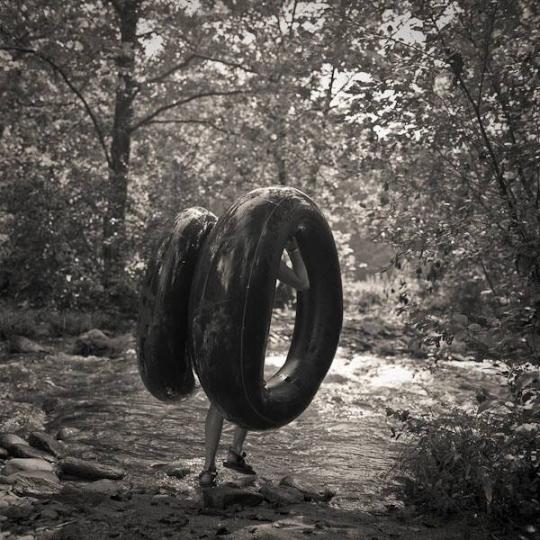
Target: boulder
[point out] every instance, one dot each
(310, 493)
(105, 487)
(89, 470)
(20, 344)
(34, 483)
(8, 440)
(281, 495)
(25, 451)
(27, 464)
(4, 454)
(96, 343)
(46, 442)
(223, 496)
(177, 472)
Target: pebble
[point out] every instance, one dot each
(67, 433)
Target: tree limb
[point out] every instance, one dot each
(178, 103)
(177, 67)
(73, 88)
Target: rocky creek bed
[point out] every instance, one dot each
(99, 457)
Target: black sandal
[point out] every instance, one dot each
(239, 463)
(207, 478)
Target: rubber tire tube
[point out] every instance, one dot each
(231, 308)
(162, 327)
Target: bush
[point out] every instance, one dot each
(44, 322)
(486, 462)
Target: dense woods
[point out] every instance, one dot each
(413, 125)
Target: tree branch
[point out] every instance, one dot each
(195, 121)
(73, 88)
(178, 103)
(229, 63)
(170, 71)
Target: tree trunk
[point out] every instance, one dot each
(114, 227)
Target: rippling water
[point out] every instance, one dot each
(341, 442)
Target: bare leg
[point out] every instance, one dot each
(238, 441)
(212, 432)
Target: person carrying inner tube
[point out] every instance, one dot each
(297, 278)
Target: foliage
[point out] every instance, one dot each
(39, 323)
(454, 107)
(485, 462)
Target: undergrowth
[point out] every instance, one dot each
(43, 322)
(483, 463)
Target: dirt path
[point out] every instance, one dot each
(340, 445)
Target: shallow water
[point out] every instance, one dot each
(341, 442)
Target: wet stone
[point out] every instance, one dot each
(21, 344)
(176, 471)
(310, 493)
(49, 513)
(96, 343)
(27, 464)
(222, 497)
(89, 470)
(25, 451)
(4, 454)
(67, 433)
(281, 495)
(105, 487)
(44, 441)
(8, 440)
(35, 483)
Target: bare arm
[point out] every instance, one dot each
(296, 276)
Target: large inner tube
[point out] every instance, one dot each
(231, 307)
(162, 328)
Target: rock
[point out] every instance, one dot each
(222, 497)
(67, 433)
(283, 531)
(8, 440)
(35, 483)
(281, 495)
(44, 441)
(27, 464)
(49, 513)
(4, 454)
(105, 487)
(170, 469)
(25, 451)
(21, 344)
(49, 405)
(309, 492)
(96, 343)
(89, 470)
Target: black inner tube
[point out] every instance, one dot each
(232, 301)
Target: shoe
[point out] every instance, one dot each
(238, 463)
(207, 478)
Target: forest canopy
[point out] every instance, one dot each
(414, 124)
